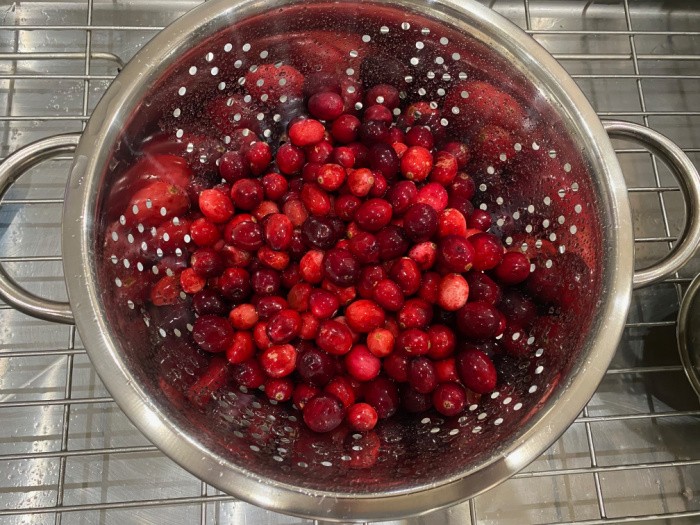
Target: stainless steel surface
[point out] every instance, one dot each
(10, 170)
(688, 332)
(689, 180)
(631, 454)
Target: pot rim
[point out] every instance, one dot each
(535, 437)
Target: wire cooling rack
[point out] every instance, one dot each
(68, 454)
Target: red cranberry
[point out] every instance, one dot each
(392, 243)
(456, 253)
(480, 220)
(280, 389)
(315, 366)
(477, 371)
(413, 342)
(421, 375)
(402, 195)
(258, 156)
(278, 231)
(215, 206)
(323, 413)
(232, 166)
(323, 304)
(318, 232)
(275, 186)
(434, 195)
(406, 274)
(241, 349)
(419, 136)
(513, 269)
(416, 163)
(284, 326)
(461, 204)
(303, 393)
(246, 235)
(364, 247)
(420, 222)
(208, 302)
(449, 399)
(342, 388)
(249, 374)
(488, 251)
(212, 333)
(369, 277)
(346, 129)
(204, 232)
(430, 287)
(316, 200)
(346, 205)
(395, 366)
(388, 295)
(361, 417)
(269, 305)
(247, 194)
(415, 313)
(453, 292)
(309, 326)
(383, 396)
(483, 288)
(373, 215)
(478, 321)
(266, 282)
(460, 151)
(331, 176)
(379, 113)
(234, 284)
(190, 282)
(362, 364)
(380, 342)
(424, 254)
(278, 360)
(305, 132)
(243, 316)
(344, 156)
(341, 267)
(445, 169)
(442, 341)
(364, 315)
(334, 337)
(326, 105)
(290, 159)
(207, 262)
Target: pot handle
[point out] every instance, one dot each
(689, 182)
(10, 169)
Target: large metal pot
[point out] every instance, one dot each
(426, 463)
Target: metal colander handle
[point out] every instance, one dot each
(689, 181)
(10, 169)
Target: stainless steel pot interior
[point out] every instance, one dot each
(568, 194)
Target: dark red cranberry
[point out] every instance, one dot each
(480, 220)
(249, 374)
(369, 277)
(478, 320)
(297, 247)
(319, 232)
(374, 131)
(456, 253)
(266, 282)
(346, 129)
(483, 288)
(379, 113)
(233, 166)
(442, 341)
(326, 105)
(290, 159)
(419, 136)
(323, 413)
(476, 371)
(341, 267)
(518, 308)
(421, 375)
(247, 194)
(461, 204)
(275, 186)
(463, 186)
(234, 284)
(402, 195)
(413, 341)
(460, 151)
(395, 365)
(208, 302)
(392, 243)
(415, 402)
(212, 333)
(449, 399)
(383, 395)
(420, 222)
(269, 305)
(315, 366)
(384, 94)
(382, 158)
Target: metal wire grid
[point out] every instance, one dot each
(593, 429)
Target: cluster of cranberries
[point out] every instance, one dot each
(348, 271)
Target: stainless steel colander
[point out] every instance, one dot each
(557, 191)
